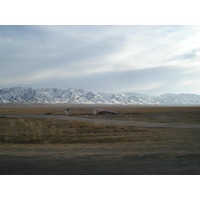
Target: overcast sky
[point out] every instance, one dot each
(145, 59)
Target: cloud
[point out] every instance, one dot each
(150, 59)
(153, 81)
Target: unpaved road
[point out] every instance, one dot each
(110, 121)
(144, 158)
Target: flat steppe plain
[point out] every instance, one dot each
(83, 143)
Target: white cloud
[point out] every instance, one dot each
(190, 83)
(48, 53)
(146, 87)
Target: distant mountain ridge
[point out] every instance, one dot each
(80, 96)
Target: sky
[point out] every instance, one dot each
(146, 59)
(151, 60)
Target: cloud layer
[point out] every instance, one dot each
(144, 59)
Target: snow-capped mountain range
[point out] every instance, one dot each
(80, 96)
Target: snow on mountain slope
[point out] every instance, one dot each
(80, 96)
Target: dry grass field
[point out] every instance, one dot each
(130, 113)
(154, 114)
(49, 146)
(43, 131)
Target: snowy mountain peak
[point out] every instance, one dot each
(80, 96)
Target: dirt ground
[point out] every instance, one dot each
(176, 151)
(144, 158)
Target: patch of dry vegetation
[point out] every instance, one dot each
(130, 113)
(28, 110)
(44, 131)
(155, 114)
(153, 117)
(24, 130)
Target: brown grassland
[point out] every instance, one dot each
(140, 113)
(49, 146)
(154, 114)
(43, 131)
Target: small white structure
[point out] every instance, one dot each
(94, 111)
(66, 112)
